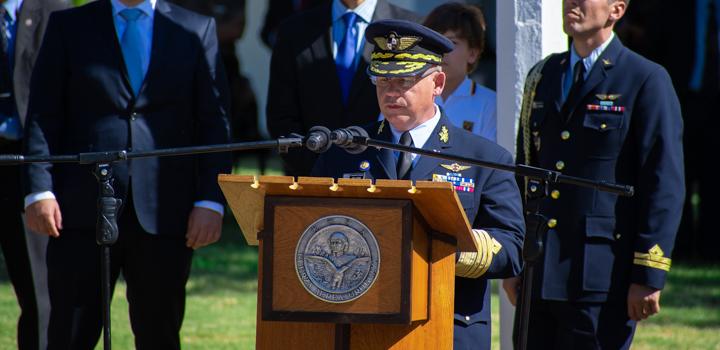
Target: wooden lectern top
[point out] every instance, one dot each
(437, 202)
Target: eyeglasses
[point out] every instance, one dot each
(403, 82)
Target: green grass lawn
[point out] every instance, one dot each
(221, 303)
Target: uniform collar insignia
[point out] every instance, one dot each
(444, 134)
(606, 61)
(381, 127)
(455, 167)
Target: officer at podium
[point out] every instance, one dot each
(405, 68)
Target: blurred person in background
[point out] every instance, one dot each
(22, 26)
(468, 104)
(317, 72)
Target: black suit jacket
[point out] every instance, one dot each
(31, 26)
(304, 88)
(81, 101)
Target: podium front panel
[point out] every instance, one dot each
(311, 265)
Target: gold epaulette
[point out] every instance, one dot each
(475, 264)
(655, 258)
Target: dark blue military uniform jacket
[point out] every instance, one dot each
(624, 127)
(493, 204)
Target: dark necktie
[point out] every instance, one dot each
(5, 69)
(577, 83)
(404, 162)
(345, 58)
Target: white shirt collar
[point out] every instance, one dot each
(147, 7)
(592, 57)
(366, 10)
(421, 133)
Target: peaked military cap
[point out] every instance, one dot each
(404, 48)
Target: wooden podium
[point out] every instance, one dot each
(408, 288)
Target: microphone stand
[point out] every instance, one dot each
(109, 207)
(539, 181)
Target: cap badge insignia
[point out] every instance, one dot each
(394, 42)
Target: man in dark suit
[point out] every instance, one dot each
(126, 75)
(317, 50)
(408, 77)
(22, 25)
(602, 112)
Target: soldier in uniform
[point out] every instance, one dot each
(602, 112)
(408, 77)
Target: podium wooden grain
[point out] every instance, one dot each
(435, 228)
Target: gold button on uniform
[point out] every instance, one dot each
(555, 194)
(560, 165)
(552, 223)
(603, 126)
(565, 135)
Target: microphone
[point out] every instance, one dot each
(320, 139)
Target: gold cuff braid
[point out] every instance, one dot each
(476, 264)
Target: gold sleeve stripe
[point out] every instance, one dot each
(488, 248)
(654, 258)
(653, 264)
(476, 264)
(474, 270)
(468, 260)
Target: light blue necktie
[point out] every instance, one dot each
(345, 58)
(131, 44)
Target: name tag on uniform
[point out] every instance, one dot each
(354, 175)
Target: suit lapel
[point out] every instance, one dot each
(382, 11)
(597, 74)
(27, 23)
(557, 80)
(425, 165)
(106, 31)
(162, 25)
(324, 63)
(384, 156)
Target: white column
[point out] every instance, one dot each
(527, 31)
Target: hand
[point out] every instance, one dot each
(44, 217)
(642, 302)
(512, 288)
(204, 227)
